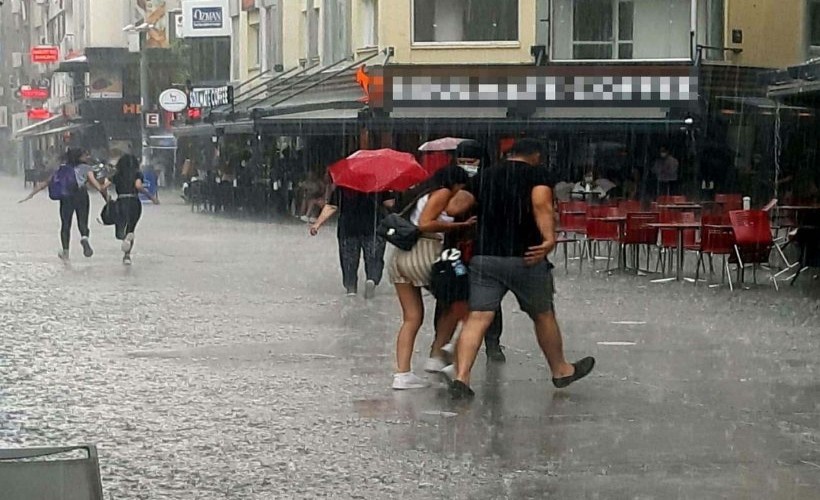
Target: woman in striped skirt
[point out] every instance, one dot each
(411, 270)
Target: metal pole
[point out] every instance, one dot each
(146, 158)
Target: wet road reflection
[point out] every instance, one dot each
(227, 364)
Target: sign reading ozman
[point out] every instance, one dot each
(208, 97)
(205, 18)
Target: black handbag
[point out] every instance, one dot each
(397, 228)
(450, 280)
(108, 216)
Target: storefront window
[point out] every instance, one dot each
(814, 24)
(621, 29)
(447, 21)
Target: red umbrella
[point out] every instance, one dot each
(443, 144)
(378, 170)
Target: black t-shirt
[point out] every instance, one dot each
(506, 222)
(359, 213)
(125, 183)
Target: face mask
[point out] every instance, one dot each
(470, 169)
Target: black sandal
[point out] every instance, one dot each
(582, 368)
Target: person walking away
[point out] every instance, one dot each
(127, 183)
(359, 215)
(666, 171)
(516, 232)
(69, 185)
(410, 271)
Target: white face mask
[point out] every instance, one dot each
(470, 169)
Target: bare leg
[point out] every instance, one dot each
(552, 345)
(472, 336)
(446, 327)
(412, 309)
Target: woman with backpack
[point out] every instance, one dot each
(128, 183)
(410, 271)
(69, 186)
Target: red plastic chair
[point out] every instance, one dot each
(753, 241)
(599, 230)
(636, 233)
(628, 206)
(572, 226)
(716, 240)
(729, 202)
(671, 199)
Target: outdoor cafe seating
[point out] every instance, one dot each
(746, 240)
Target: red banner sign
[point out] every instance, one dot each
(45, 54)
(29, 92)
(38, 114)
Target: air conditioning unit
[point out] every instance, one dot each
(17, 59)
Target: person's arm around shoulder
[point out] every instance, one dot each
(465, 199)
(436, 204)
(544, 213)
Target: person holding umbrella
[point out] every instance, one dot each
(363, 187)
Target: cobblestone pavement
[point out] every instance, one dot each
(225, 363)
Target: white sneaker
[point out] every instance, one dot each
(449, 348)
(408, 380)
(304, 218)
(369, 289)
(449, 371)
(434, 365)
(127, 243)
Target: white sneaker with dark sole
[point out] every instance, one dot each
(127, 243)
(434, 365)
(369, 289)
(409, 380)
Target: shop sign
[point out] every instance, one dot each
(208, 97)
(205, 18)
(152, 120)
(45, 54)
(131, 109)
(173, 100)
(38, 114)
(29, 92)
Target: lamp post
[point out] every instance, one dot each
(140, 30)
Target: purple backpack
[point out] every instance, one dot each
(63, 183)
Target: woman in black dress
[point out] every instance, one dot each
(128, 184)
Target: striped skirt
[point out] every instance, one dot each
(415, 267)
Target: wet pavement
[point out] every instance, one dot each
(225, 363)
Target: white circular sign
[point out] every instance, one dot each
(173, 100)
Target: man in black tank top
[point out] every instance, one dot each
(516, 233)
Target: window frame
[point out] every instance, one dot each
(812, 4)
(463, 44)
(552, 44)
(370, 34)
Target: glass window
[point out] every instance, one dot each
(621, 29)
(814, 23)
(465, 21)
(370, 23)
